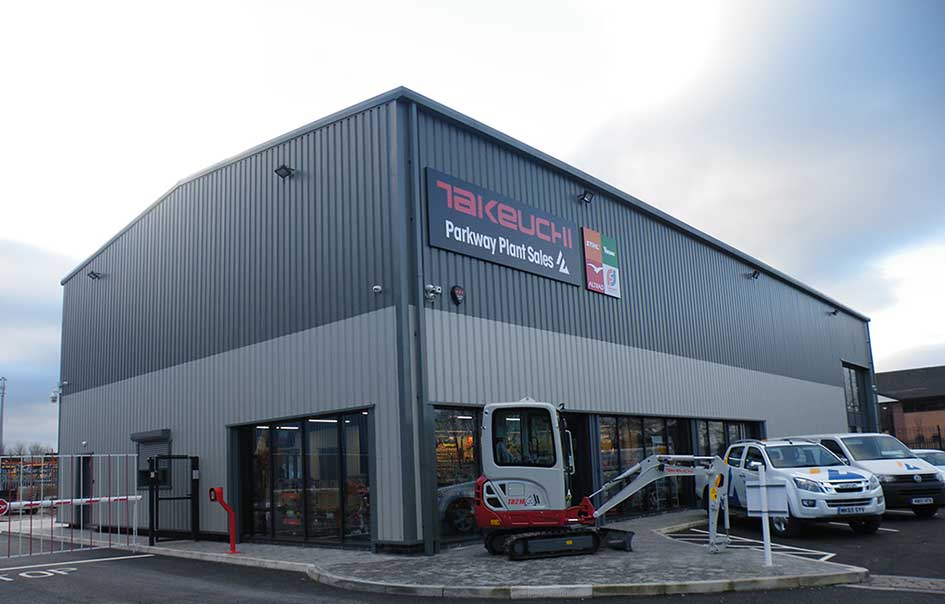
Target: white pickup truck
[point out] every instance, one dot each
(820, 487)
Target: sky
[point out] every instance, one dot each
(807, 134)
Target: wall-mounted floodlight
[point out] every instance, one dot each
(284, 171)
(833, 313)
(93, 275)
(754, 275)
(586, 196)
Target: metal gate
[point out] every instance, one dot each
(173, 480)
(57, 503)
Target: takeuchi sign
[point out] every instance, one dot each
(467, 219)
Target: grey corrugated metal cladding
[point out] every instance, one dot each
(680, 296)
(237, 255)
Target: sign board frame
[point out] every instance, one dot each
(467, 219)
(776, 495)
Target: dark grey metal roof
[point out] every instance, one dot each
(428, 104)
(907, 384)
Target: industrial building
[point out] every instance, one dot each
(321, 318)
(912, 404)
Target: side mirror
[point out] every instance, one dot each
(845, 461)
(754, 465)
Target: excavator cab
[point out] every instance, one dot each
(527, 458)
(524, 493)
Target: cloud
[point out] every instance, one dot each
(932, 355)
(30, 313)
(910, 329)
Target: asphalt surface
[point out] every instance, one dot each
(905, 545)
(111, 576)
(104, 576)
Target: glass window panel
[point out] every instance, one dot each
(716, 438)
(681, 489)
(262, 507)
(457, 468)
(523, 437)
(655, 430)
(324, 486)
(609, 455)
(631, 442)
(357, 493)
(287, 479)
(657, 495)
(677, 431)
(703, 428)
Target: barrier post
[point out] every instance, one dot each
(216, 494)
(194, 499)
(152, 501)
(765, 528)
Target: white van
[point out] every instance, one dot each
(820, 488)
(908, 481)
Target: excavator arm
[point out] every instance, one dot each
(657, 467)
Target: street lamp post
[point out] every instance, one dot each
(3, 396)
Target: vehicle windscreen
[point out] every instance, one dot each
(936, 458)
(801, 456)
(866, 448)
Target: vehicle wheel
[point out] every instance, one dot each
(785, 526)
(866, 526)
(495, 542)
(925, 511)
(460, 516)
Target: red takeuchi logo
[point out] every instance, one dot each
(463, 201)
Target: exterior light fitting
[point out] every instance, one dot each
(93, 275)
(833, 313)
(284, 171)
(754, 275)
(587, 196)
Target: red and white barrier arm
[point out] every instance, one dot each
(53, 503)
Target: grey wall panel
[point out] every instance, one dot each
(342, 365)
(480, 360)
(680, 296)
(237, 256)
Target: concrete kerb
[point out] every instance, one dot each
(844, 574)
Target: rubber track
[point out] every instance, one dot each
(511, 539)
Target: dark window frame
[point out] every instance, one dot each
(526, 413)
(341, 538)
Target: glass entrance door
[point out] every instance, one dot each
(324, 479)
(287, 483)
(357, 495)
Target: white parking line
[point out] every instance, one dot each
(789, 550)
(888, 530)
(74, 562)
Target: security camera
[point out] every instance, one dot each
(53, 397)
(85, 443)
(432, 292)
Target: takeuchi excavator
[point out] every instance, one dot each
(523, 499)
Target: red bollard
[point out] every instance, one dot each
(216, 494)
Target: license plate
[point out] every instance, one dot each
(852, 510)
(922, 500)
